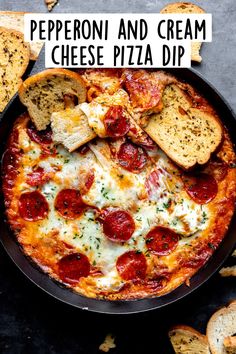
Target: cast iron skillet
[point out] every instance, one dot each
(59, 292)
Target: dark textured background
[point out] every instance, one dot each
(31, 322)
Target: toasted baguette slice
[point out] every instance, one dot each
(15, 21)
(186, 340)
(230, 345)
(70, 128)
(221, 325)
(228, 271)
(14, 59)
(187, 135)
(186, 8)
(44, 93)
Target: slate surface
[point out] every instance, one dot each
(31, 322)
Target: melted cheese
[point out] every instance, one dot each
(95, 113)
(113, 187)
(97, 109)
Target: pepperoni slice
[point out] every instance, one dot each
(116, 123)
(10, 161)
(141, 138)
(89, 181)
(161, 240)
(132, 157)
(197, 260)
(42, 137)
(69, 203)
(132, 265)
(143, 88)
(38, 177)
(152, 182)
(201, 188)
(33, 206)
(85, 182)
(218, 169)
(73, 267)
(118, 225)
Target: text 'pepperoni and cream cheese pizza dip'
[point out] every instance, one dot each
(117, 218)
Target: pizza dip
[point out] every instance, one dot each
(116, 218)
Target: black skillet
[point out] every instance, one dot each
(59, 292)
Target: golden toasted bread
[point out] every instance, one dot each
(186, 8)
(186, 340)
(45, 92)
(186, 134)
(15, 21)
(14, 59)
(70, 128)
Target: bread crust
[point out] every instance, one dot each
(47, 73)
(181, 343)
(191, 330)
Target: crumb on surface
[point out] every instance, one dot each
(108, 343)
(50, 4)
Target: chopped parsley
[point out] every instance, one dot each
(105, 193)
(204, 217)
(175, 222)
(158, 210)
(167, 205)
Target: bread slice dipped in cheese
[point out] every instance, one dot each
(186, 8)
(45, 93)
(70, 128)
(186, 340)
(221, 325)
(14, 59)
(186, 134)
